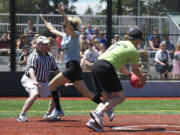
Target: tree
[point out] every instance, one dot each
(88, 11)
(35, 6)
(147, 7)
(4, 6)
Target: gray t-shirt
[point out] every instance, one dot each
(71, 47)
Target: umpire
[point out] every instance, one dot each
(35, 79)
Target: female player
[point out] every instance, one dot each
(71, 48)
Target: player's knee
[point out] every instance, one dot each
(34, 95)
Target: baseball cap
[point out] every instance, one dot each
(42, 39)
(135, 34)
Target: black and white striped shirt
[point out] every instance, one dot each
(42, 65)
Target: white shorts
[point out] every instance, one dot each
(27, 83)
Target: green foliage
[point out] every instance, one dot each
(88, 11)
(4, 6)
(11, 108)
(147, 7)
(35, 6)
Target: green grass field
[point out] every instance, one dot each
(11, 108)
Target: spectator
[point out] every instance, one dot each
(169, 46)
(96, 44)
(30, 30)
(102, 48)
(176, 63)
(23, 59)
(154, 40)
(21, 43)
(89, 29)
(125, 37)
(162, 62)
(52, 47)
(102, 39)
(90, 56)
(96, 32)
(83, 47)
(115, 39)
(33, 43)
(59, 50)
(4, 44)
(84, 35)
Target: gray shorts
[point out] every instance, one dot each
(27, 83)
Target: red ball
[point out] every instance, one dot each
(135, 81)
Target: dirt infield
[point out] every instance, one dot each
(75, 125)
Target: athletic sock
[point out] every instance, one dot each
(55, 96)
(97, 99)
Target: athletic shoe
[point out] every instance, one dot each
(97, 117)
(22, 118)
(47, 114)
(61, 112)
(110, 114)
(55, 114)
(92, 125)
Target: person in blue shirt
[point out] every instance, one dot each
(169, 46)
(71, 48)
(102, 39)
(154, 40)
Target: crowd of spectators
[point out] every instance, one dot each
(93, 43)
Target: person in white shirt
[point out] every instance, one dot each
(162, 60)
(90, 56)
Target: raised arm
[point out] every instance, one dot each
(67, 22)
(50, 27)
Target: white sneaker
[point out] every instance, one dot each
(110, 114)
(22, 118)
(97, 117)
(55, 114)
(46, 115)
(92, 125)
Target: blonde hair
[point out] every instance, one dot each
(178, 47)
(75, 20)
(125, 37)
(163, 43)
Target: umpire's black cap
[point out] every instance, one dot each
(135, 34)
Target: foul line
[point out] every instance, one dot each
(117, 111)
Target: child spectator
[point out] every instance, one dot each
(23, 59)
(176, 63)
(162, 61)
(90, 56)
(102, 48)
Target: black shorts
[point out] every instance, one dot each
(73, 71)
(105, 77)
